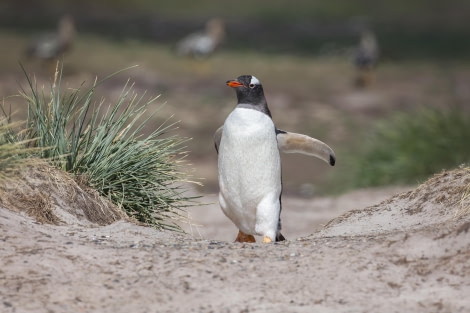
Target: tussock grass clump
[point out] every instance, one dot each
(410, 147)
(13, 154)
(105, 147)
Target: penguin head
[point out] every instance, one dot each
(250, 93)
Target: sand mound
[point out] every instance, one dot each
(442, 199)
(52, 196)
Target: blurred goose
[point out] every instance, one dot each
(53, 45)
(202, 44)
(365, 59)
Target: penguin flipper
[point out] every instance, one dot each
(294, 143)
(299, 143)
(217, 137)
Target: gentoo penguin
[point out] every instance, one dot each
(249, 163)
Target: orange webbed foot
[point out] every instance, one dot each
(266, 239)
(242, 237)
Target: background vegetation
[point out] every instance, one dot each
(409, 147)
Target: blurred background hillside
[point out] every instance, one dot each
(303, 53)
(419, 28)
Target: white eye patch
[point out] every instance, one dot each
(254, 81)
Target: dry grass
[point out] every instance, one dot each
(45, 193)
(38, 206)
(465, 199)
(13, 154)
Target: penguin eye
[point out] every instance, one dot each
(252, 86)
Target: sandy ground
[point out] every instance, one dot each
(407, 253)
(300, 216)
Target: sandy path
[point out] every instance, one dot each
(127, 268)
(300, 217)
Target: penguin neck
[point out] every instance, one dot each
(261, 107)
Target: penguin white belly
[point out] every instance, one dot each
(250, 172)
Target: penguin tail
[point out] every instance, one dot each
(280, 237)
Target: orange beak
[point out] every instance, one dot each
(234, 83)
